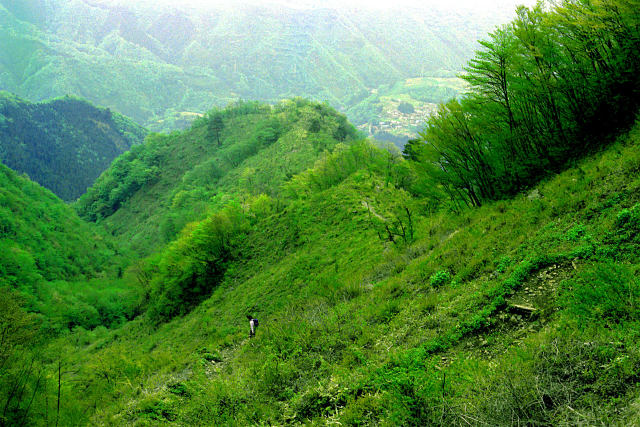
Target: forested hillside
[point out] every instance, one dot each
(57, 274)
(247, 149)
(151, 62)
(45, 246)
(488, 275)
(63, 144)
(550, 87)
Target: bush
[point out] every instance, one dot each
(559, 381)
(503, 264)
(627, 229)
(192, 266)
(156, 410)
(440, 278)
(178, 388)
(212, 357)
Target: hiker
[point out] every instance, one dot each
(253, 324)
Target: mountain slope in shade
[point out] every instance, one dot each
(63, 144)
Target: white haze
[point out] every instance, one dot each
(443, 5)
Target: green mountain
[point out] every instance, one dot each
(45, 248)
(153, 62)
(62, 144)
(485, 315)
(57, 274)
(44, 234)
(489, 275)
(149, 193)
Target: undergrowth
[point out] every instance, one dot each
(361, 330)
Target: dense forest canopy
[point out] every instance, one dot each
(62, 144)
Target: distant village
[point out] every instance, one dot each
(395, 122)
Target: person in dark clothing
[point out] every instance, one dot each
(253, 324)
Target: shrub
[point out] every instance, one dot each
(192, 266)
(503, 264)
(178, 388)
(627, 225)
(576, 233)
(440, 278)
(557, 381)
(212, 357)
(156, 410)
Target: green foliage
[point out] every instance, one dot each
(87, 304)
(628, 224)
(156, 410)
(127, 174)
(151, 192)
(215, 127)
(20, 376)
(158, 65)
(192, 266)
(550, 380)
(43, 238)
(440, 278)
(540, 326)
(178, 388)
(350, 334)
(503, 264)
(576, 233)
(62, 144)
(65, 270)
(537, 87)
(607, 294)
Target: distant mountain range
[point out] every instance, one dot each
(154, 65)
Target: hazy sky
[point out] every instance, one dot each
(377, 4)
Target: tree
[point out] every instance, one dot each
(216, 126)
(406, 108)
(543, 89)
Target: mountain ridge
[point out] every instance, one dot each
(487, 275)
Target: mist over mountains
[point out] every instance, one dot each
(153, 62)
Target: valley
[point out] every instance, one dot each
(122, 55)
(485, 270)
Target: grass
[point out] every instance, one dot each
(358, 330)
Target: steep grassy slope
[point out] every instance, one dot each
(151, 192)
(522, 311)
(152, 61)
(63, 144)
